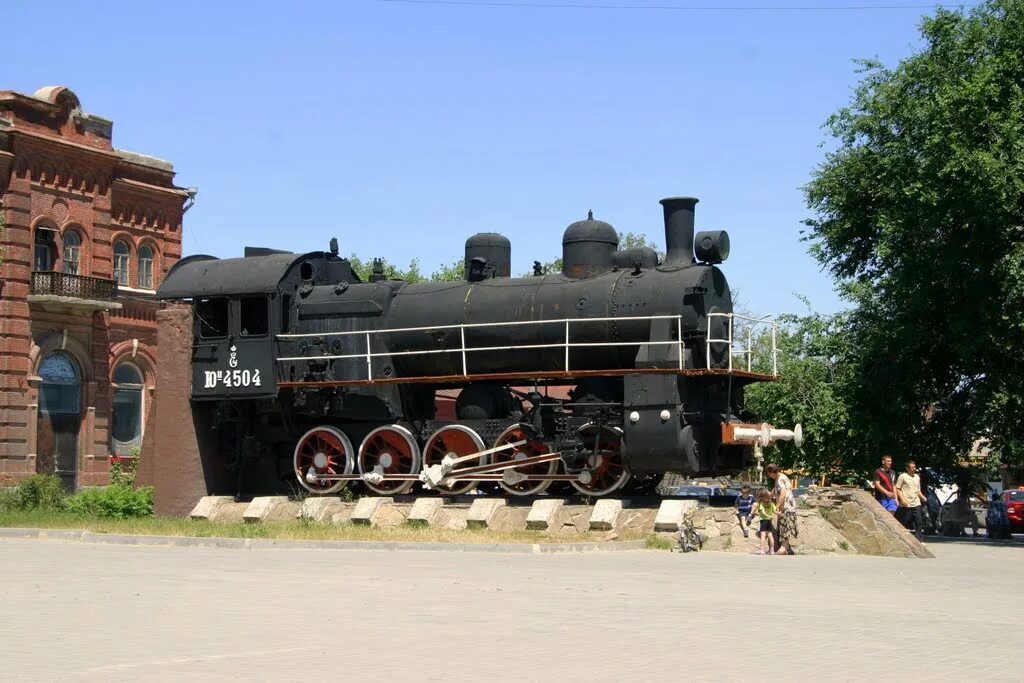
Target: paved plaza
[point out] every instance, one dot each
(81, 611)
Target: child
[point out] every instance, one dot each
(765, 510)
(744, 509)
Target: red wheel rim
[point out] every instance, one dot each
(459, 441)
(323, 450)
(529, 449)
(393, 450)
(607, 470)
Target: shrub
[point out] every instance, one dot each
(38, 492)
(115, 502)
(122, 470)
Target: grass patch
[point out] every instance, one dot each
(658, 542)
(297, 530)
(844, 545)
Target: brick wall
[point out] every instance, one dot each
(60, 171)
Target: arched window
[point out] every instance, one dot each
(59, 392)
(126, 421)
(121, 253)
(43, 254)
(72, 252)
(145, 267)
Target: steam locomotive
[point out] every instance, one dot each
(303, 375)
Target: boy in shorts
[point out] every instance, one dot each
(745, 509)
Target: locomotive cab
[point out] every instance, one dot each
(239, 306)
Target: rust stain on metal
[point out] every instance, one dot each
(529, 377)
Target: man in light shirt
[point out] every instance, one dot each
(911, 499)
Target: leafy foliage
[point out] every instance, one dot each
(919, 215)
(812, 389)
(114, 502)
(38, 492)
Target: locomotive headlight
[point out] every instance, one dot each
(634, 417)
(711, 246)
(665, 415)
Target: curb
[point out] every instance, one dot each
(270, 543)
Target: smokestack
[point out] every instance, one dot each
(678, 230)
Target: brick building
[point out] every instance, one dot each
(89, 232)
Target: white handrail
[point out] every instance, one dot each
(730, 341)
(567, 344)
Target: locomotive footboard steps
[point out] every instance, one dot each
(595, 380)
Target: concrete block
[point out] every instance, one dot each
(605, 514)
(508, 518)
(481, 512)
(544, 514)
(366, 508)
(451, 517)
(670, 514)
(344, 514)
(425, 511)
(390, 515)
(230, 513)
(320, 508)
(269, 509)
(208, 506)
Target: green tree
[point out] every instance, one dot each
(392, 272)
(812, 389)
(919, 211)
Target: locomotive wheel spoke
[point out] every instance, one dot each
(459, 441)
(607, 471)
(323, 450)
(393, 450)
(530, 448)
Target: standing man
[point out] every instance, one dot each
(911, 498)
(786, 505)
(885, 488)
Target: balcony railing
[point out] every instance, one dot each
(75, 286)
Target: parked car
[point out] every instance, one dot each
(1014, 500)
(715, 496)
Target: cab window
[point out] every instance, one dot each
(213, 317)
(254, 318)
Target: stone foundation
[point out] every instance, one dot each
(830, 521)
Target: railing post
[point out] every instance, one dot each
(369, 361)
(567, 345)
(775, 353)
(750, 348)
(462, 335)
(707, 344)
(679, 339)
(729, 345)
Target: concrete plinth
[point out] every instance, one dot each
(481, 512)
(230, 513)
(425, 511)
(320, 508)
(508, 518)
(390, 515)
(451, 517)
(366, 509)
(670, 514)
(605, 514)
(269, 509)
(544, 514)
(208, 506)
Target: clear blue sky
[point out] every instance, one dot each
(403, 128)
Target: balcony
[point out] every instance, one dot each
(76, 291)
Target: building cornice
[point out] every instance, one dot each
(140, 186)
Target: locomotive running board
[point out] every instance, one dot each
(530, 377)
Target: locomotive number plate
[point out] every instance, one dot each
(231, 378)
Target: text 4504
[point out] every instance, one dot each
(232, 378)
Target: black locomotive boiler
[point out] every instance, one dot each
(304, 375)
